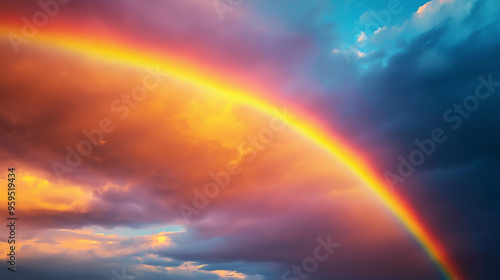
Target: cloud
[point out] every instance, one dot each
(434, 12)
(362, 38)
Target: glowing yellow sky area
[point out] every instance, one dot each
(48, 195)
(220, 93)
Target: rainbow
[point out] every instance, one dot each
(182, 69)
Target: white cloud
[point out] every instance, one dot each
(456, 14)
(434, 12)
(428, 16)
(362, 38)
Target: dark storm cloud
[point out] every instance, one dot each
(456, 188)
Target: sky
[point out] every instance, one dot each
(250, 139)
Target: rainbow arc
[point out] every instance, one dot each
(186, 71)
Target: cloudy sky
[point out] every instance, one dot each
(251, 139)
